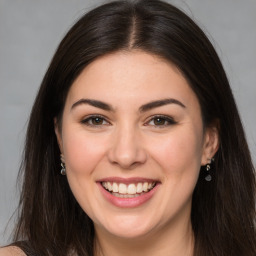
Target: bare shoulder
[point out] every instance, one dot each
(11, 251)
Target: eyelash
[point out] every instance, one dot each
(167, 121)
(89, 119)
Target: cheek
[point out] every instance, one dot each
(180, 153)
(82, 153)
(179, 158)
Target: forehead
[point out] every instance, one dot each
(122, 77)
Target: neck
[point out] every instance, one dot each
(174, 241)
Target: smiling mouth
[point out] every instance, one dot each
(131, 190)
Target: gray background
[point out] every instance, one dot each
(30, 31)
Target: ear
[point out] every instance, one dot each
(211, 142)
(58, 134)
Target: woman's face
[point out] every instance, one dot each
(133, 142)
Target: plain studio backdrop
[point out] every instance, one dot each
(30, 31)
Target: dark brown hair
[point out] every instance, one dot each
(223, 210)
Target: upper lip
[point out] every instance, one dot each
(127, 180)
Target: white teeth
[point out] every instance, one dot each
(139, 188)
(115, 187)
(129, 189)
(104, 184)
(122, 188)
(125, 196)
(150, 185)
(145, 186)
(109, 186)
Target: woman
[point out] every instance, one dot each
(135, 145)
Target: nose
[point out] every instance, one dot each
(127, 149)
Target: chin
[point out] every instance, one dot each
(128, 227)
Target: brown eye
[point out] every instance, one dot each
(95, 121)
(159, 121)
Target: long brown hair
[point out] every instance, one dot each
(223, 210)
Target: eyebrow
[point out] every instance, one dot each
(94, 103)
(143, 108)
(160, 103)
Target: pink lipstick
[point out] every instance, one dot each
(128, 193)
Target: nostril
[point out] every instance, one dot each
(127, 160)
(126, 164)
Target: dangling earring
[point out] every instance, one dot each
(63, 167)
(208, 168)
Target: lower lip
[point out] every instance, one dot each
(128, 202)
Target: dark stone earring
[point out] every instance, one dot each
(63, 167)
(208, 169)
